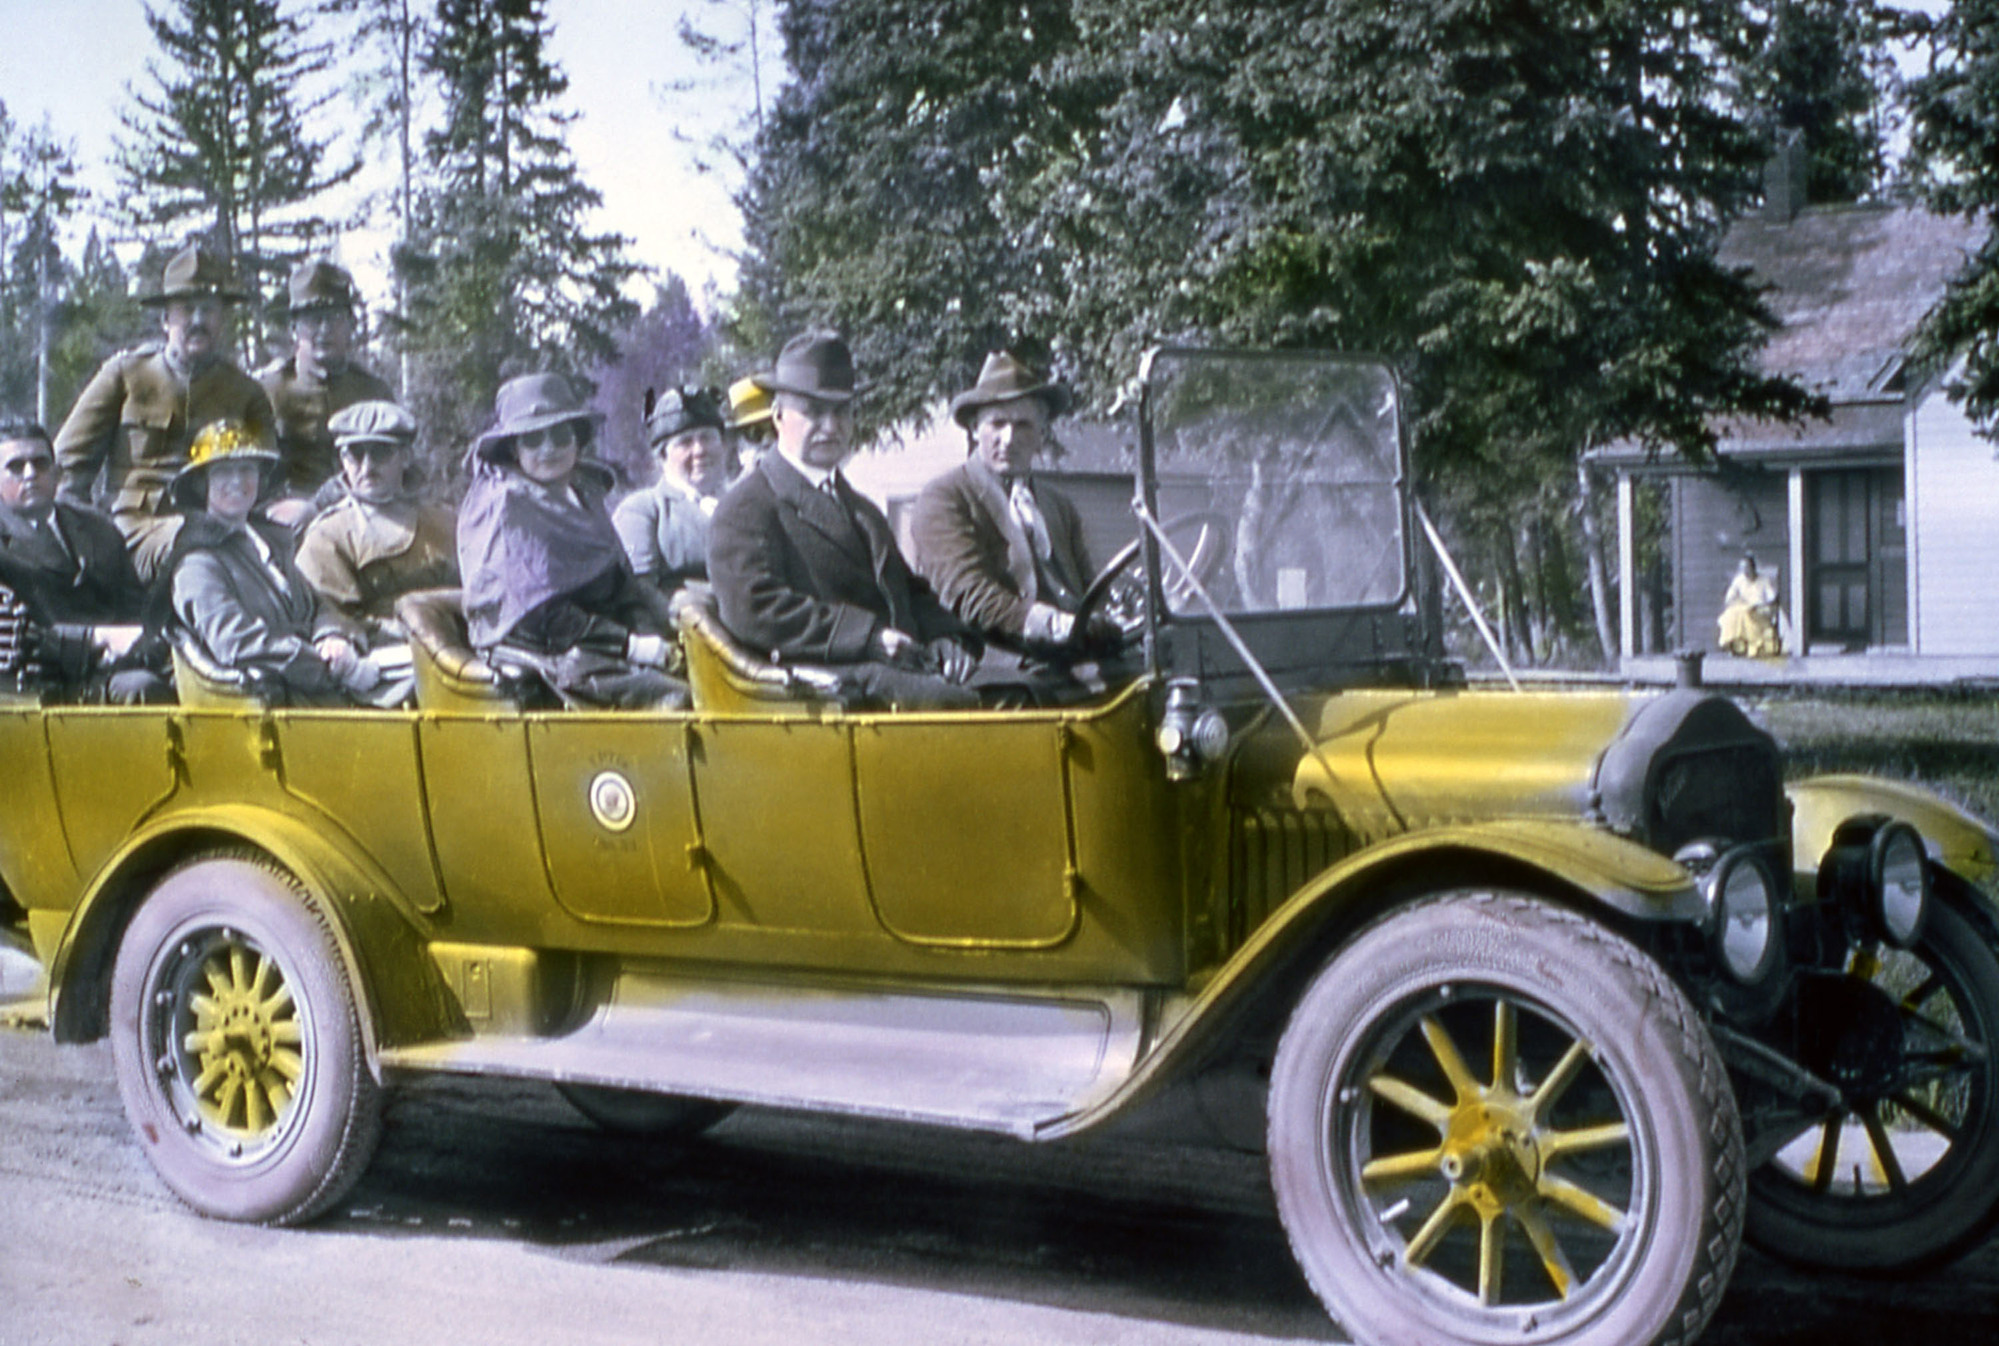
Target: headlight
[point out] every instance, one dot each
(1742, 916)
(1899, 875)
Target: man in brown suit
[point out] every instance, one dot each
(319, 378)
(136, 419)
(1003, 549)
(805, 568)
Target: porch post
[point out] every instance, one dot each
(1797, 531)
(1627, 571)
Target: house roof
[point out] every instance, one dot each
(1850, 284)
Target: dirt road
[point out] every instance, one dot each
(494, 1214)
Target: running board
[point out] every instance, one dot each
(986, 1060)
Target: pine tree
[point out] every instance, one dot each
(221, 144)
(40, 191)
(502, 271)
(1956, 112)
(1825, 72)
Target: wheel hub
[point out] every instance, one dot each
(237, 1045)
(1491, 1155)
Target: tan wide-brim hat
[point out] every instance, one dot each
(1003, 378)
(195, 273)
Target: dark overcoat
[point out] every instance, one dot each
(805, 576)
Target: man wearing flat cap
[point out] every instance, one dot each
(380, 541)
(806, 569)
(319, 378)
(136, 419)
(1003, 549)
(665, 528)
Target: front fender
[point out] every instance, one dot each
(1958, 840)
(381, 941)
(1566, 860)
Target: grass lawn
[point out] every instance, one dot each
(1945, 740)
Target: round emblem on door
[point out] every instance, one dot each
(612, 802)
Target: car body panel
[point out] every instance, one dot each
(1959, 841)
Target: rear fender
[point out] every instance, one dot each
(1248, 998)
(380, 936)
(1959, 841)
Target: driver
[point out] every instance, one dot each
(1002, 548)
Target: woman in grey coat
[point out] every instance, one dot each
(233, 584)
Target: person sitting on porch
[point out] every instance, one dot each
(1749, 614)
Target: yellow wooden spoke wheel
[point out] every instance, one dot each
(1492, 1119)
(237, 1042)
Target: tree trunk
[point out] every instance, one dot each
(1593, 558)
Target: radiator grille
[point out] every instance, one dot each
(1275, 851)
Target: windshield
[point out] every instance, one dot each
(1279, 479)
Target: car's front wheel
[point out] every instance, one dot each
(237, 1042)
(1493, 1120)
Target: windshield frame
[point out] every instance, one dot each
(1279, 629)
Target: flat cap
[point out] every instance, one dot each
(372, 423)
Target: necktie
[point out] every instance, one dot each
(1028, 514)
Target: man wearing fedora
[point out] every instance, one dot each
(135, 420)
(806, 569)
(1002, 548)
(319, 378)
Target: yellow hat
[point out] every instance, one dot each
(219, 441)
(749, 404)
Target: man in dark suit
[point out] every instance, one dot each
(806, 569)
(71, 581)
(1004, 549)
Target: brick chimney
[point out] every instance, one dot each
(1784, 178)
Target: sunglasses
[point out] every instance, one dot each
(377, 449)
(559, 436)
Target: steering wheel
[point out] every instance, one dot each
(1119, 587)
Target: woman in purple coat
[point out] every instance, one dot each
(548, 588)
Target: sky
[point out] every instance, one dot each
(73, 60)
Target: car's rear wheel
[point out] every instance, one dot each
(1905, 1172)
(236, 1038)
(634, 1112)
(1493, 1120)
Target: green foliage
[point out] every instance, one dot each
(1956, 115)
(219, 145)
(501, 272)
(1825, 72)
(1517, 200)
(666, 346)
(886, 191)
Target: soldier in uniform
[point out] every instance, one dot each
(319, 378)
(64, 568)
(381, 541)
(137, 418)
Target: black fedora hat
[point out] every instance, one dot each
(817, 365)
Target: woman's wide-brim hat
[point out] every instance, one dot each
(195, 273)
(534, 402)
(817, 365)
(221, 442)
(1003, 378)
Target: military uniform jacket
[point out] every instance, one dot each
(807, 576)
(83, 578)
(665, 534)
(135, 421)
(303, 406)
(362, 557)
(975, 553)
